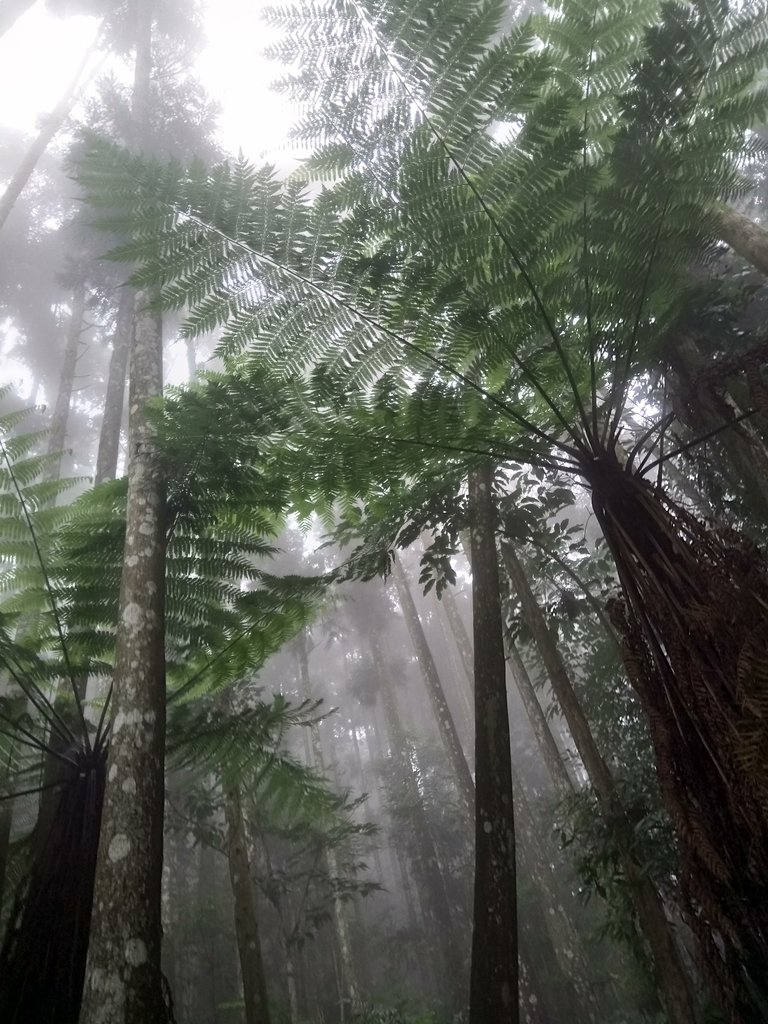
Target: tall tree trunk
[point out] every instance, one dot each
(671, 977)
(425, 864)
(124, 980)
(567, 945)
(122, 341)
(494, 997)
(460, 634)
(748, 239)
(348, 972)
(58, 434)
(246, 920)
(545, 741)
(434, 686)
(50, 128)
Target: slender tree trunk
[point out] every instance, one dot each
(246, 920)
(122, 341)
(425, 864)
(58, 435)
(434, 686)
(671, 977)
(748, 239)
(565, 940)
(124, 979)
(50, 128)
(348, 972)
(494, 997)
(460, 634)
(539, 725)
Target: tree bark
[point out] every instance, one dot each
(746, 238)
(494, 989)
(122, 341)
(434, 687)
(670, 974)
(246, 920)
(124, 978)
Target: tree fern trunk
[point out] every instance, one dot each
(670, 974)
(124, 981)
(494, 995)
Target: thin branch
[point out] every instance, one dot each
(702, 438)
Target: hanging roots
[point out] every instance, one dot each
(694, 628)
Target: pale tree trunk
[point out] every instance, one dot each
(51, 126)
(246, 919)
(348, 972)
(567, 945)
(465, 684)
(124, 983)
(459, 631)
(58, 433)
(122, 341)
(545, 741)
(494, 997)
(426, 863)
(671, 977)
(746, 238)
(434, 687)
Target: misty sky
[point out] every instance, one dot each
(40, 54)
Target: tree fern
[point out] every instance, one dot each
(519, 262)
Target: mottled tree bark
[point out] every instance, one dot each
(671, 977)
(435, 693)
(124, 983)
(494, 995)
(122, 340)
(246, 919)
